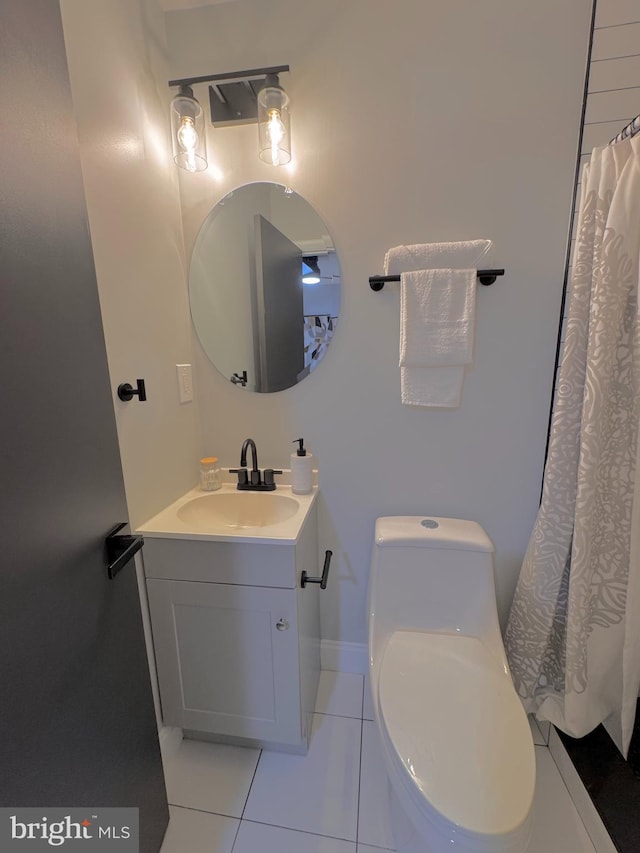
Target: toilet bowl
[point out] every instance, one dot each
(456, 742)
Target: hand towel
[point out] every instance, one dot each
(437, 309)
(436, 387)
(430, 323)
(421, 256)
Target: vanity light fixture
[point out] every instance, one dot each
(310, 270)
(188, 132)
(274, 125)
(238, 97)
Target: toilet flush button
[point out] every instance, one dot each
(430, 523)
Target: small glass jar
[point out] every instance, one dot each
(210, 474)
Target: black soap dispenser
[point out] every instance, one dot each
(301, 470)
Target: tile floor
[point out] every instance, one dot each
(227, 799)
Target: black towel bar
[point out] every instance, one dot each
(487, 277)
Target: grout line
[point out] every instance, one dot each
(204, 811)
(606, 121)
(613, 58)
(341, 716)
(359, 780)
(609, 91)
(251, 785)
(235, 837)
(303, 831)
(612, 26)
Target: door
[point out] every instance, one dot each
(227, 659)
(280, 308)
(77, 724)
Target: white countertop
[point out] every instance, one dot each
(168, 524)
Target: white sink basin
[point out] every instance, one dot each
(237, 510)
(232, 516)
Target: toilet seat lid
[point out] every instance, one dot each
(454, 721)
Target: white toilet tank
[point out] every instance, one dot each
(432, 574)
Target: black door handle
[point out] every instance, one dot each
(120, 549)
(305, 579)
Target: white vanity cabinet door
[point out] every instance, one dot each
(227, 659)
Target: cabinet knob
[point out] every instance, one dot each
(282, 625)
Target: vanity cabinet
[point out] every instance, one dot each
(236, 638)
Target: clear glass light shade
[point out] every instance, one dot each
(274, 126)
(188, 133)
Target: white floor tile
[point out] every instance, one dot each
(317, 792)
(556, 823)
(364, 848)
(374, 820)
(261, 838)
(367, 707)
(211, 777)
(340, 693)
(198, 832)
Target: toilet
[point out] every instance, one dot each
(456, 742)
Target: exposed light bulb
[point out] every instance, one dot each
(188, 140)
(276, 131)
(188, 133)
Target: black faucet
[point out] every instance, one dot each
(255, 471)
(253, 480)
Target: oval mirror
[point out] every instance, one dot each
(264, 287)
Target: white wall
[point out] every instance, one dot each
(411, 122)
(117, 61)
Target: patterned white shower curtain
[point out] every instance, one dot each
(573, 638)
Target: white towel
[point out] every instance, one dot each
(422, 256)
(437, 318)
(437, 308)
(437, 387)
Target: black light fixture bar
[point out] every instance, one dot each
(251, 74)
(487, 277)
(233, 94)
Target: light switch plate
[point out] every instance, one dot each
(185, 383)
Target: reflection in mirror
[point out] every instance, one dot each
(264, 287)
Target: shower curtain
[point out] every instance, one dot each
(573, 637)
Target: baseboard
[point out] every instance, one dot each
(592, 821)
(344, 657)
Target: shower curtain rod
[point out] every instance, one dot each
(627, 132)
